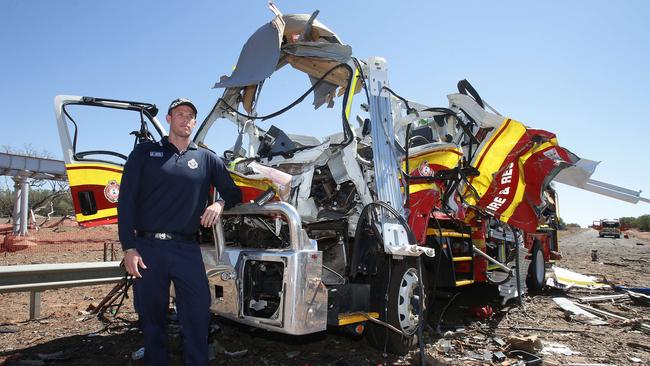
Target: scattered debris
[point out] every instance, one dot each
(481, 312)
(529, 343)
(56, 356)
(603, 298)
(611, 315)
(499, 341)
(292, 354)
(641, 290)
(570, 306)
(499, 356)
(563, 279)
(444, 346)
(539, 329)
(8, 329)
(634, 359)
(236, 353)
(639, 298)
(616, 264)
(139, 354)
(34, 340)
(636, 345)
(214, 328)
(558, 349)
(530, 358)
(634, 260)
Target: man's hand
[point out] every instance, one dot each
(133, 261)
(212, 213)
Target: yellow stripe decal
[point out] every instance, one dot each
(464, 282)
(521, 186)
(348, 105)
(507, 135)
(92, 174)
(462, 259)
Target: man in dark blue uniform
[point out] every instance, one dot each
(163, 198)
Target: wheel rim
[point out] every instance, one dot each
(539, 267)
(408, 302)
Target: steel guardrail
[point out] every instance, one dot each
(39, 277)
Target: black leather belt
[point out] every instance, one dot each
(166, 236)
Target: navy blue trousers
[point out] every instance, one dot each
(181, 263)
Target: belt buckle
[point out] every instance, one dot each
(162, 236)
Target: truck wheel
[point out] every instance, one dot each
(403, 306)
(537, 269)
(618, 236)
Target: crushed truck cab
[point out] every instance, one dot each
(357, 229)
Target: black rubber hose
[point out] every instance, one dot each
(346, 125)
(420, 312)
(518, 269)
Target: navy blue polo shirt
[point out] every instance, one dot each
(165, 190)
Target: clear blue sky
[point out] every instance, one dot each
(577, 68)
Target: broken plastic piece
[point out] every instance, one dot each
(138, 354)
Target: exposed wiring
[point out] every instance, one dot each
(409, 109)
(346, 125)
(444, 309)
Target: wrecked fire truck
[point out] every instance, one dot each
(361, 228)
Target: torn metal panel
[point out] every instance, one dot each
(570, 306)
(331, 51)
(258, 58)
(323, 93)
(579, 176)
(468, 105)
(296, 23)
(563, 278)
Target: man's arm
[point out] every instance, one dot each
(126, 204)
(224, 184)
(126, 211)
(229, 192)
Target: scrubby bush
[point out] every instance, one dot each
(641, 223)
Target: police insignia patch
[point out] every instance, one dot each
(112, 191)
(193, 164)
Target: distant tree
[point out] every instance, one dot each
(628, 221)
(573, 225)
(643, 223)
(561, 225)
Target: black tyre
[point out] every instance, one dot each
(402, 308)
(618, 236)
(537, 269)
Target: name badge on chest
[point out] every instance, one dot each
(156, 154)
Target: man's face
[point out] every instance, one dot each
(181, 121)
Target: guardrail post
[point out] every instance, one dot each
(34, 305)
